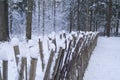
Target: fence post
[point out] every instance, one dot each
(47, 72)
(41, 54)
(17, 52)
(21, 73)
(5, 70)
(26, 68)
(33, 69)
(0, 74)
(58, 64)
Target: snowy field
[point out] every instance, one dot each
(105, 61)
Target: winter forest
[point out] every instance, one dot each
(59, 39)
(46, 16)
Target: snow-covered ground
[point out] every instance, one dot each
(105, 61)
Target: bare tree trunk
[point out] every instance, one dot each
(87, 17)
(109, 16)
(4, 32)
(78, 15)
(91, 15)
(54, 7)
(39, 13)
(117, 27)
(70, 21)
(43, 22)
(29, 20)
(11, 20)
(71, 17)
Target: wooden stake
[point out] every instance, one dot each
(26, 68)
(21, 73)
(41, 54)
(33, 69)
(49, 64)
(17, 52)
(5, 70)
(0, 75)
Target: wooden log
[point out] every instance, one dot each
(41, 54)
(17, 52)
(33, 69)
(5, 70)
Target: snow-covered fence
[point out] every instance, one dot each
(55, 56)
(72, 56)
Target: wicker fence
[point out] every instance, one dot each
(70, 64)
(73, 59)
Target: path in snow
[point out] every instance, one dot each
(105, 61)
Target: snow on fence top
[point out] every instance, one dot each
(49, 55)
